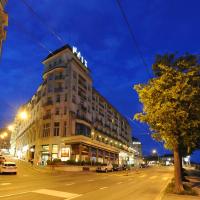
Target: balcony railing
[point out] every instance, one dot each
(48, 103)
(47, 116)
(58, 89)
(59, 77)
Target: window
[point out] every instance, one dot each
(58, 98)
(50, 88)
(56, 129)
(54, 148)
(73, 99)
(65, 97)
(82, 129)
(57, 111)
(46, 130)
(65, 110)
(65, 129)
(74, 75)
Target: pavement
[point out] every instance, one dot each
(34, 184)
(194, 182)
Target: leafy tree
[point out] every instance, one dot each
(171, 105)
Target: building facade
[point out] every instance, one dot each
(4, 140)
(3, 22)
(69, 119)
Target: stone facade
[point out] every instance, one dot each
(69, 119)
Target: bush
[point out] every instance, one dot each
(49, 162)
(56, 160)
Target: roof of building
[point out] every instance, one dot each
(66, 46)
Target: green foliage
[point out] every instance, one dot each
(171, 101)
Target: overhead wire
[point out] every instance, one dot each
(50, 29)
(19, 26)
(139, 51)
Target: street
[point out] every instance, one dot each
(29, 183)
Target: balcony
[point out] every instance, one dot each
(83, 117)
(57, 90)
(47, 116)
(48, 103)
(59, 77)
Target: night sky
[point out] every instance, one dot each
(97, 28)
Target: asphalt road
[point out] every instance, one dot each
(32, 184)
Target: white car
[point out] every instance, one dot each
(8, 167)
(105, 168)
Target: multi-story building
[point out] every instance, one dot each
(69, 119)
(4, 140)
(3, 22)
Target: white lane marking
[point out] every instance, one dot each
(25, 175)
(90, 180)
(153, 177)
(9, 195)
(130, 179)
(142, 176)
(119, 183)
(68, 184)
(5, 183)
(56, 193)
(102, 188)
(165, 178)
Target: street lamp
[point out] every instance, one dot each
(154, 152)
(23, 115)
(10, 127)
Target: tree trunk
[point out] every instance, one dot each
(177, 171)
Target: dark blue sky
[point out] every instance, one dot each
(97, 28)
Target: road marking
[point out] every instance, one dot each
(165, 178)
(5, 183)
(142, 176)
(153, 177)
(56, 193)
(119, 183)
(25, 175)
(90, 180)
(9, 195)
(68, 184)
(130, 179)
(102, 188)
(104, 177)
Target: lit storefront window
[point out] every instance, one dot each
(65, 153)
(54, 151)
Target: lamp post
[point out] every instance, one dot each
(154, 152)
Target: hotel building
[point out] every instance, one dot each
(69, 119)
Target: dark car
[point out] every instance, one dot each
(117, 168)
(143, 165)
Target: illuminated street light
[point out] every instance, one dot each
(11, 127)
(154, 151)
(2, 136)
(23, 115)
(5, 134)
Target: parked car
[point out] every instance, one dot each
(105, 168)
(2, 159)
(8, 167)
(143, 165)
(117, 167)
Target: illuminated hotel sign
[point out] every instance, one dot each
(78, 54)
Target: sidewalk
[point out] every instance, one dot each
(194, 182)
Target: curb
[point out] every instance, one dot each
(162, 192)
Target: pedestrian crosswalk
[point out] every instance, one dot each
(56, 193)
